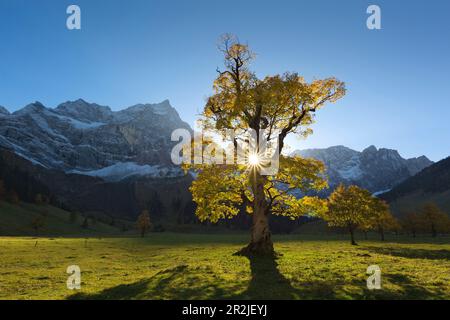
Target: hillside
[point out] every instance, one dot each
(431, 184)
(17, 220)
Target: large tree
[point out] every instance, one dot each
(273, 107)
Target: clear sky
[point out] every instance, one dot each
(129, 52)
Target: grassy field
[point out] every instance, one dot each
(181, 266)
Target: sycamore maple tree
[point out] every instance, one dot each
(434, 220)
(382, 219)
(411, 223)
(273, 107)
(349, 207)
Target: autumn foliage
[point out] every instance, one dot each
(273, 107)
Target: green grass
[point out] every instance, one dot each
(182, 266)
(17, 220)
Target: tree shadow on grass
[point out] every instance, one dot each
(407, 290)
(184, 282)
(174, 283)
(267, 282)
(411, 253)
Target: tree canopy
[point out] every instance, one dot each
(349, 207)
(272, 107)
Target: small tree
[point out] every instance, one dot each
(434, 219)
(85, 223)
(382, 217)
(13, 197)
(411, 223)
(349, 207)
(73, 217)
(38, 223)
(39, 199)
(143, 222)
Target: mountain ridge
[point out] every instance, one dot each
(82, 136)
(432, 184)
(374, 169)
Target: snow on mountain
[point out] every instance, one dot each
(123, 170)
(84, 111)
(374, 169)
(87, 137)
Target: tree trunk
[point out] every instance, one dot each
(261, 239)
(382, 234)
(433, 231)
(352, 236)
(365, 235)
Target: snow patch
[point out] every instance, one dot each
(381, 192)
(77, 124)
(123, 170)
(352, 170)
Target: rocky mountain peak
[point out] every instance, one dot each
(34, 107)
(157, 108)
(84, 137)
(4, 111)
(84, 111)
(370, 149)
(374, 169)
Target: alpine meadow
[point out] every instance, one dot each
(224, 155)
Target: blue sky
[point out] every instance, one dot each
(147, 51)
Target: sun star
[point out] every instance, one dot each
(253, 159)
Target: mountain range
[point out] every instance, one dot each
(88, 158)
(377, 170)
(86, 138)
(430, 185)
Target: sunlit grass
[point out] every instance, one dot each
(181, 266)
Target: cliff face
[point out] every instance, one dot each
(375, 169)
(85, 137)
(86, 157)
